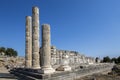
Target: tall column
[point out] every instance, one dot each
(28, 44)
(35, 38)
(46, 51)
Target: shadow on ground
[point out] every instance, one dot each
(7, 76)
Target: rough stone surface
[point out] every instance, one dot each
(46, 50)
(35, 38)
(75, 58)
(29, 74)
(28, 50)
(65, 65)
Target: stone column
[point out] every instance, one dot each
(46, 51)
(28, 44)
(35, 38)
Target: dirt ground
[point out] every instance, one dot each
(113, 75)
(4, 74)
(100, 77)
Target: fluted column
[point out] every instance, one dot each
(46, 50)
(35, 38)
(28, 44)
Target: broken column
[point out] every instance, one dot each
(65, 63)
(35, 38)
(53, 55)
(28, 44)
(46, 51)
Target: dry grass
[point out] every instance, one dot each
(111, 76)
(100, 77)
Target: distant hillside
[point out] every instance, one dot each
(10, 62)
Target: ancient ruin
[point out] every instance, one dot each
(46, 62)
(46, 50)
(35, 38)
(28, 50)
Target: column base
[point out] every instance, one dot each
(36, 67)
(64, 68)
(47, 70)
(28, 64)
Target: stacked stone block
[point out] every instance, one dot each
(35, 38)
(46, 50)
(28, 50)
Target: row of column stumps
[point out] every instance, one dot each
(32, 57)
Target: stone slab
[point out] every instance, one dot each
(63, 75)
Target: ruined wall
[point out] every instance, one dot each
(74, 57)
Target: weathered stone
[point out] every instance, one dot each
(35, 38)
(46, 50)
(80, 64)
(65, 64)
(53, 55)
(31, 74)
(28, 50)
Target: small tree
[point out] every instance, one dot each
(2, 49)
(106, 59)
(15, 53)
(96, 59)
(11, 52)
(114, 60)
(118, 60)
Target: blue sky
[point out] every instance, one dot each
(91, 27)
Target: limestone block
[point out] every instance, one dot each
(28, 43)
(65, 65)
(35, 38)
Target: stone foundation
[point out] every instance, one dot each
(64, 68)
(32, 74)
